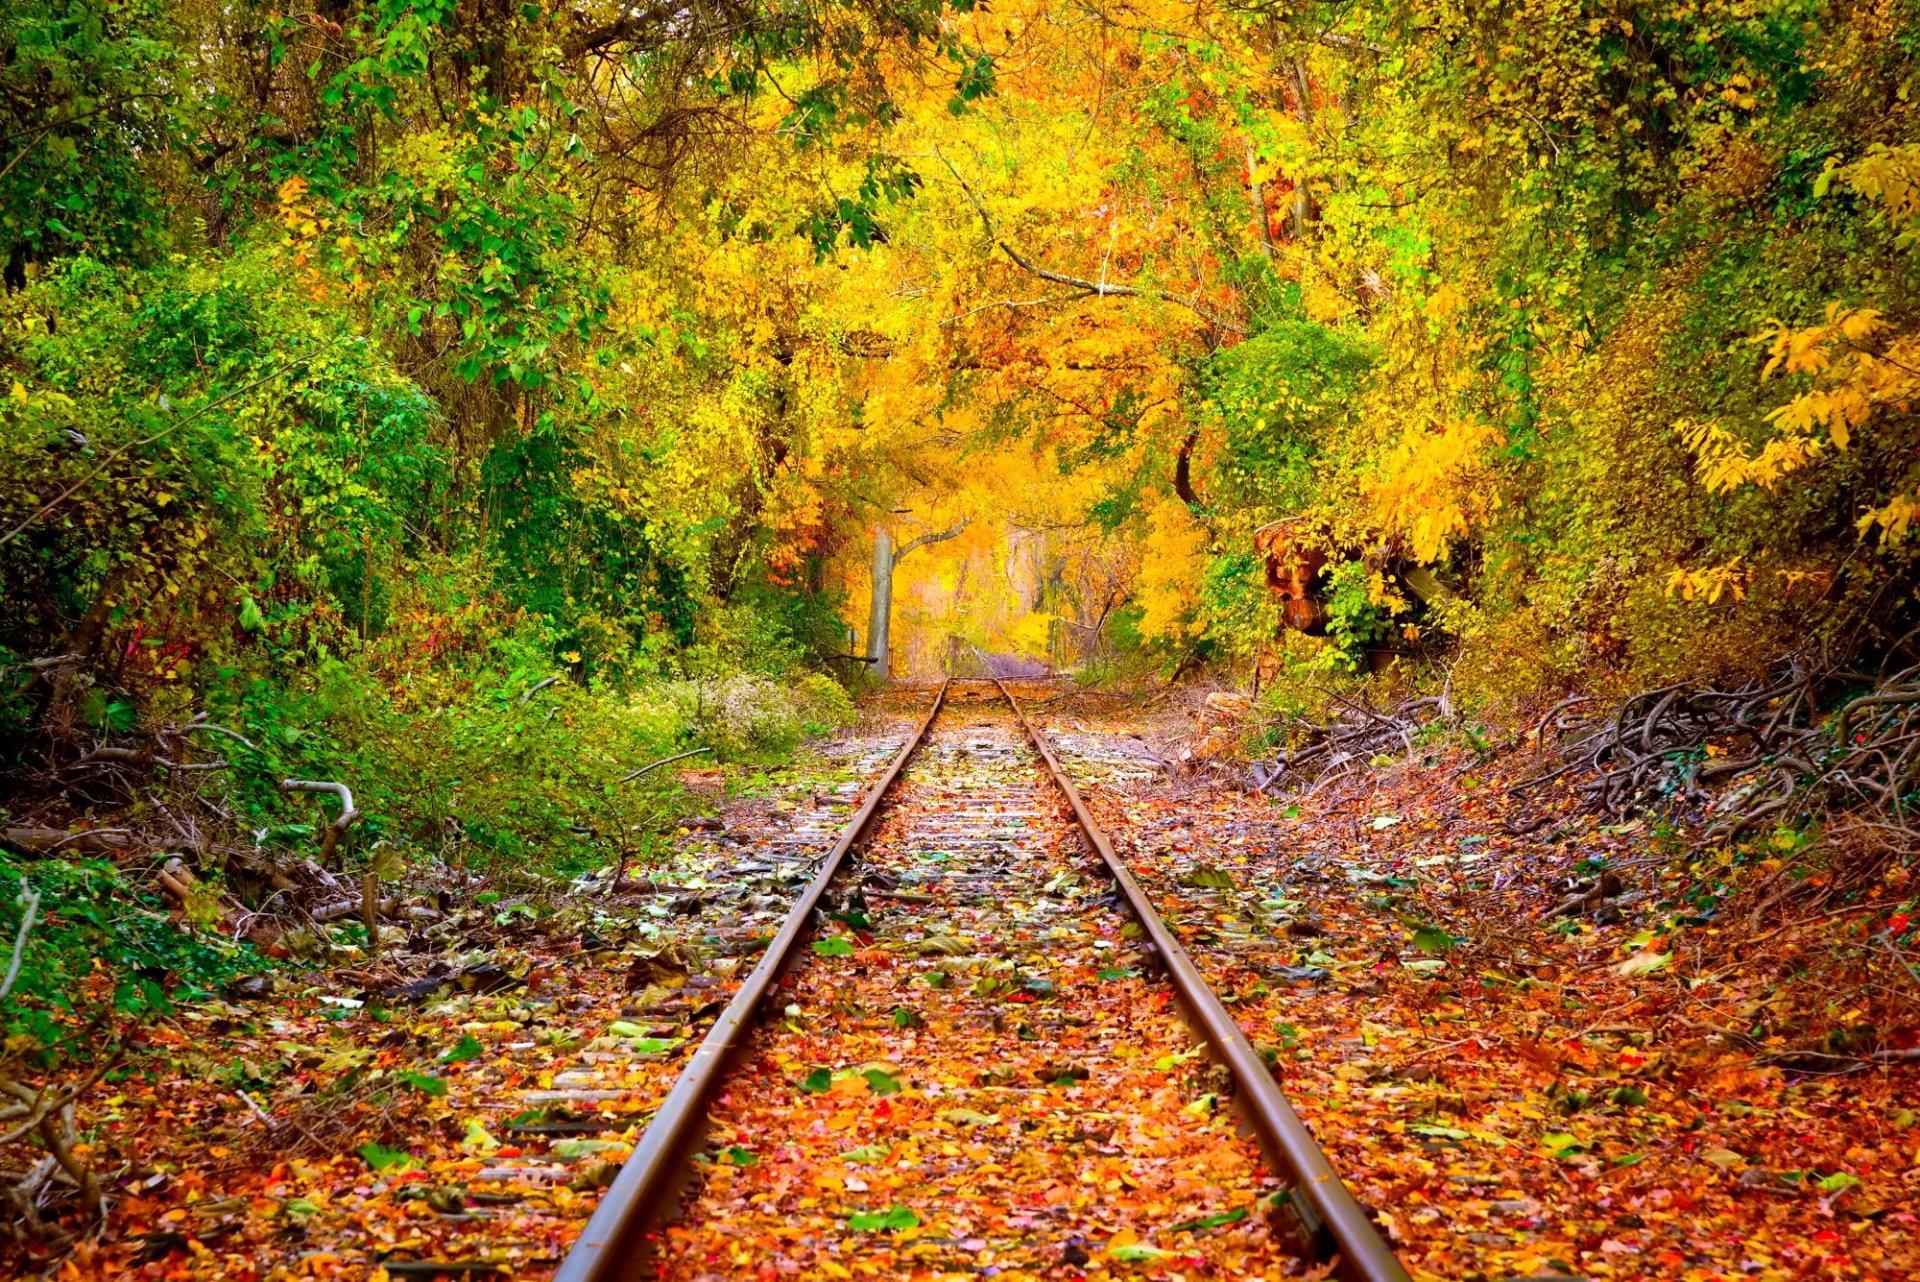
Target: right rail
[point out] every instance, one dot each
(1333, 1222)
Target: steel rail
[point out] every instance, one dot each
(613, 1247)
(1332, 1222)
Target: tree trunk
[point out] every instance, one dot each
(886, 558)
(881, 613)
(1303, 112)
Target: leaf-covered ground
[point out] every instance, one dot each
(334, 1126)
(1517, 1094)
(972, 1078)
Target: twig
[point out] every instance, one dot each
(631, 775)
(258, 1112)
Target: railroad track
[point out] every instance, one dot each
(967, 915)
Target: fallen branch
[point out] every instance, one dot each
(349, 814)
(1351, 738)
(45, 841)
(536, 689)
(1751, 755)
(651, 766)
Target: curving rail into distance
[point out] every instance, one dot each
(615, 1246)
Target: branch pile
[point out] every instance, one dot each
(1320, 752)
(1803, 743)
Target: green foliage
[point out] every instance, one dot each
(1276, 398)
(100, 951)
(1356, 618)
(84, 100)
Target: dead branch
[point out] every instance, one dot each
(651, 766)
(1324, 752)
(349, 814)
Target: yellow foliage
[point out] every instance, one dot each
(1895, 520)
(1860, 367)
(1032, 635)
(1723, 464)
(1172, 565)
(1891, 176)
(1710, 584)
(1435, 486)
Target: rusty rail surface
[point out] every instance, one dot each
(615, 1245)
(1333, 1225)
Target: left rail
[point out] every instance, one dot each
(612, 1246)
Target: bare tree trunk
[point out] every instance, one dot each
(1303, 112)
(880, 616)
(885, 559)
(1257, 193)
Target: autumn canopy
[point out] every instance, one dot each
(491, 403)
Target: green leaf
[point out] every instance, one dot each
(1212, 1221)
(1442, 1132)
(1431, 939)
(735, 1155)
(867, 1153)
(1138, 1253)
(881, 1082)
(1629, 1096)
(820, 1079)
(895, 1217)
(388, 864)
(433, 1086)
(1113, 973)
(467, 1048)
(838, 946)
(1643, 964)
(382, 1158)
(1837, 1181)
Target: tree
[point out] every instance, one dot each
(886, 559)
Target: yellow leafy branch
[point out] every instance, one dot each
(1434, 486)
(1712, 583)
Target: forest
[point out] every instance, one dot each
(451, 448)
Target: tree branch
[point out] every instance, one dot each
(1086, 288)
(349, 814)
(925, 539)
(1183, 473)
(29, 902)
(664, 761)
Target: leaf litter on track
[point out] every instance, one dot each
(320, 1135)
(1514, 1099)
(1043, 1113)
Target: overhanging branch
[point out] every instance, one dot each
(925, 539)
(1083, 287)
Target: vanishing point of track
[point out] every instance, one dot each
(1314, 1218)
